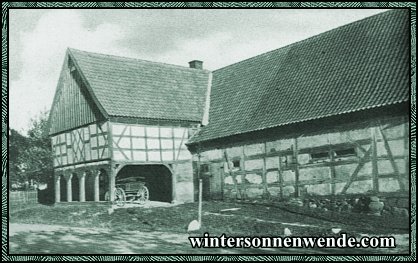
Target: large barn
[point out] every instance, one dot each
(328, 115)
(114, 118)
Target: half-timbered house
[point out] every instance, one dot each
(115, 117)
(328, 115)
(324, 116)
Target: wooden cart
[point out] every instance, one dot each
(132, 190)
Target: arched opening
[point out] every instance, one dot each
(75, 187)
(103, 184)
(63, 188)
(157, 178)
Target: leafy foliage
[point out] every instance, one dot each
(30, 156)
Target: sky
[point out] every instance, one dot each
(38, 39)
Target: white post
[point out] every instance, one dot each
(112, 184)
(57, 188)
(96, 186)
(200, 202)
(69, 188)
(82, 186)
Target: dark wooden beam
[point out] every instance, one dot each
(375, 170)
(392, 160)
(360, 165)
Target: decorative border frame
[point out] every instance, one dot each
(5, 121)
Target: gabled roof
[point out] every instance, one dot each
(126, 87)
(355, 67)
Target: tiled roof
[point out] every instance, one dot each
(128, 87)
(355, 67)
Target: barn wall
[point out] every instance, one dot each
(372, 157)
(81, 145)
(183, 185)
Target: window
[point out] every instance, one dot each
(204, 168)
(287, 161)
(319, 156)
(236, 164)
(345, 153)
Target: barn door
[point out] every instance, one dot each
(206, 187)
(216, 181)
(211, 181)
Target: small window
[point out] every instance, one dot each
(232, 166)
(319, 156)
(345, 153)
(204, 168)
(236, 164)
(287, 161)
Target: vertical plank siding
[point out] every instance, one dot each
(72, 105)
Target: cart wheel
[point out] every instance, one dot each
(119, 197)
(142, 195)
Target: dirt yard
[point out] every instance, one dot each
(98, 228)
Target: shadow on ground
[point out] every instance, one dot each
(62, 240)
(47, 239)
(52, 239)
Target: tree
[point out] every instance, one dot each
(31, 156)
(17, 144)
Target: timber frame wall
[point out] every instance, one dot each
(89, 149)
(84, 154)
(370, 156)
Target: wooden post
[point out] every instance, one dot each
(222, 172)
(112, 182)
(280, 176)
(264, 175)
(68, 178)
(57, 188)
(296, 165)
(375, 172)
(332, 171)
(96, 186)
(176, 161)
(243, 174)
(200, 202)
(198, 173)
(174, 182)
(82, 186)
